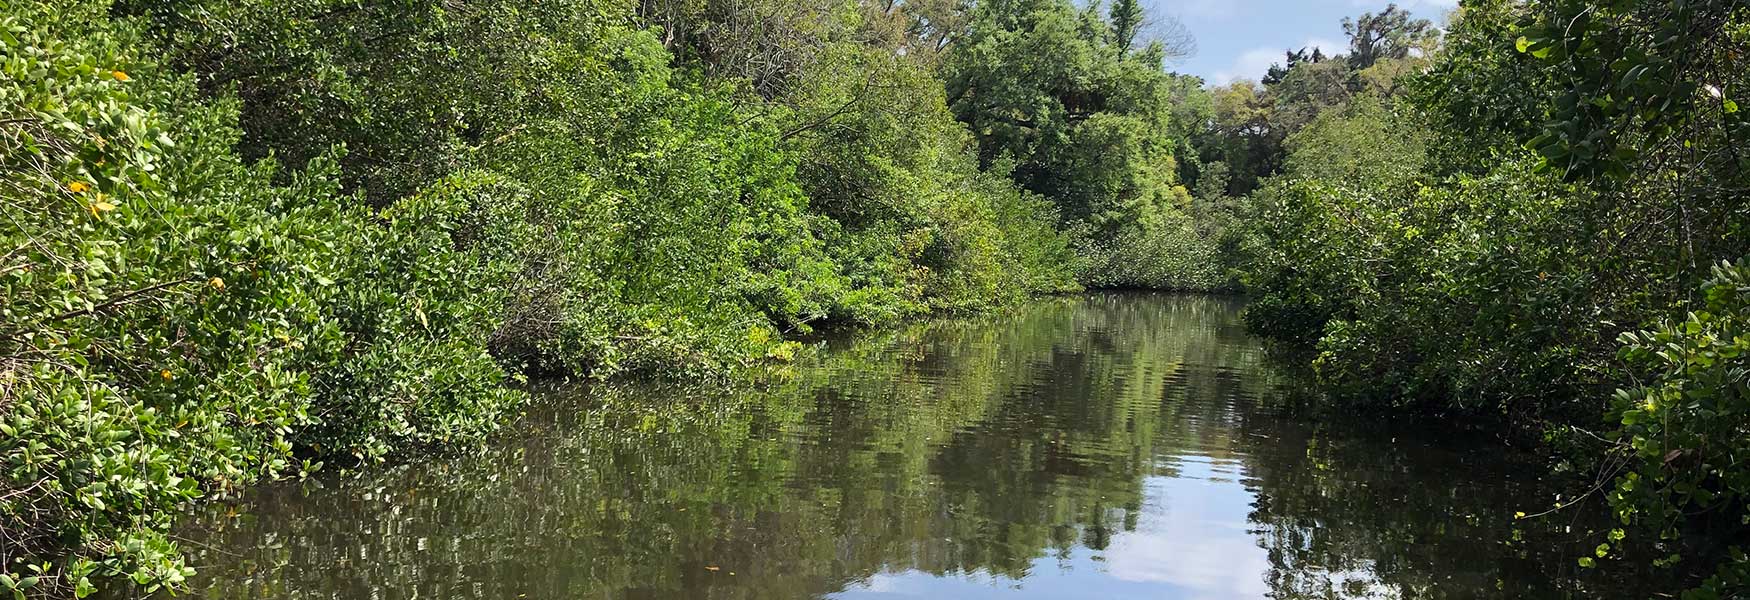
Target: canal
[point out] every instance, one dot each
(1107, 446)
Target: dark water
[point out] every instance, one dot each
(1110, 446)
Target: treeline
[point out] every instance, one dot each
(246, 238)
(1526, 221)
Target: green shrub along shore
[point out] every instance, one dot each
(246, 239)
(1533, 219)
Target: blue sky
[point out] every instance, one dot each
(1238, 39)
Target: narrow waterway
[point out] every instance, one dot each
(1107, 446)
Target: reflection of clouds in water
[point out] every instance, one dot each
(1194, 537)
(918, 584)
(1191, 542)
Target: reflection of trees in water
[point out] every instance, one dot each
(957, 447)
(1348, 513)
(950, 448)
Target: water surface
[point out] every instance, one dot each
(1109, 446)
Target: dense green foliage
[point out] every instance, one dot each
(1069, 103)
(1685, 433)
(1402, 232)
(161, 299)
(246, 238)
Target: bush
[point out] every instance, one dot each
(909, 217)
(1685, 435)
(177, 325)
(425, 289)
(1449, 296)
(1456, 307)
(159, 299)
(1164, 251)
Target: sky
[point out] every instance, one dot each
(1238, 39)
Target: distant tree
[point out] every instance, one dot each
(1390, 34)
(1127, 17)
(1244, 135)
(1278, 72)
(1149, 38)
(1040, 84)
(768, 43)
(932, 25)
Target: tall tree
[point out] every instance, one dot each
(1127, 17)
(1387, 35)
(1042, 86)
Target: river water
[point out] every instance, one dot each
(1106, 446)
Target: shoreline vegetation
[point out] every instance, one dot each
(247, 239)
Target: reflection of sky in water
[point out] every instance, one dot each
(1191, 542)
(995, 452)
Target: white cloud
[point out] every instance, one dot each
(1253, 63)
(1194, 535)
(1248, 65)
